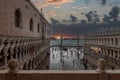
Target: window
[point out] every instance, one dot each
(31, 24)
(116, 41)
(26, 6)
(18, 18)
(38, 27)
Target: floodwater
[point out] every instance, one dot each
(66, 60)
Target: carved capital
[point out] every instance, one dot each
(12, 65)
(101, 65)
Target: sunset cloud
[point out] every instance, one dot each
(57, 7)
(58, 1)
(52, 13)
(74, 7)
(45, 3)
(40, 5)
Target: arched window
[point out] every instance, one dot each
(116, 41)
(31, 24)
(18, 18)
(38, 27)
(43, 33)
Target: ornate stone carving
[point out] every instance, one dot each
(101, 65)
(12, 65)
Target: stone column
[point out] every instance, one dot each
(16, 52)
(20, 52)
(5, 51)
(109, 54)
(119, 42)
(103, 51)
(16, 48)
(12, 49)
(118, 58)
(5, 58)
(110, 41)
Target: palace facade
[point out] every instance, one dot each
(103, 45)
(24, 35)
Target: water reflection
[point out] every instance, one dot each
(66, 60)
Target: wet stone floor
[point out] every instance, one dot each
(69, 59)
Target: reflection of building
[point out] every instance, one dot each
(103, 45)
(24, 34)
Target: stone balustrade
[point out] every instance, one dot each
(108, 45)
(99, 74)
(60, 75)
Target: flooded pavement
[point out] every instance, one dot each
(65, 60)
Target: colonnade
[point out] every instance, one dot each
(28, 51)
(105, 46)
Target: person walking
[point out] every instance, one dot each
(73, 62)
(85, 63)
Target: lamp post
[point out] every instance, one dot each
(61, 40)
(78, 44)
(61, 50)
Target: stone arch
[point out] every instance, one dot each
(6, 42)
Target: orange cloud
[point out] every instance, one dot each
(52, 13)
(39, 4)
(57, 7)
(58, 1)
(45, 3)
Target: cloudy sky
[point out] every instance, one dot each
(62, 9)
(69, 16)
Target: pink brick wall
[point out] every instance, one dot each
(7, 24)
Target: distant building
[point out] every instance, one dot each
(103, 45)
(24, 34)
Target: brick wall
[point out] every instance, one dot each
(7, 18)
